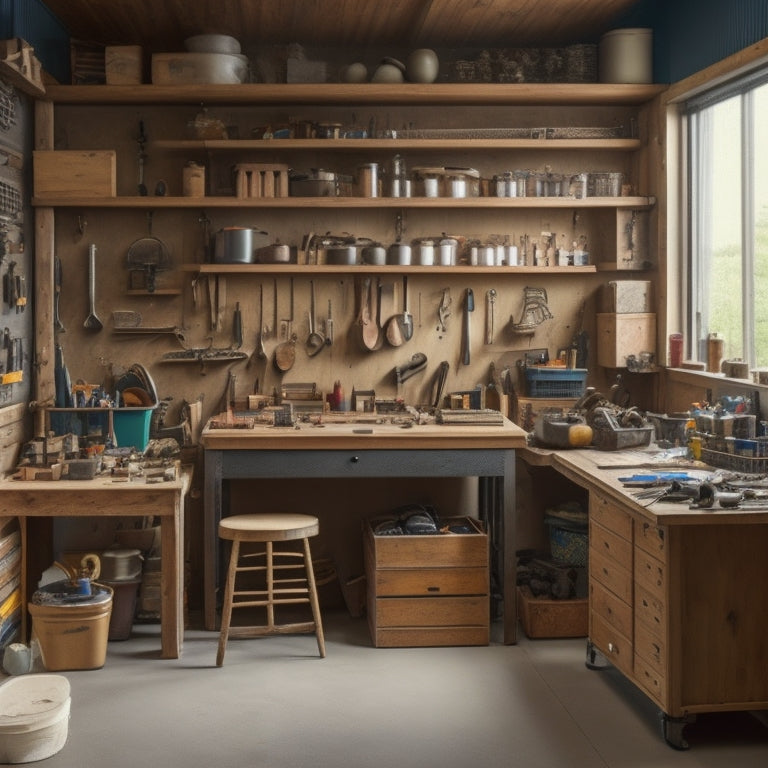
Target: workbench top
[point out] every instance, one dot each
(591, 468)
(365, 435)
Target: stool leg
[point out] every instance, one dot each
(313, 601)
(226, 609)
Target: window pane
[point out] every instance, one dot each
(760, 280)
(720, 243)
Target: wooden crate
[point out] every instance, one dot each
(429, 590)
(74, 173)
(621, 335)
(552, 618)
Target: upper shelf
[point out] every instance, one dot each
(343, 202)
(188, 145)
(363, 93)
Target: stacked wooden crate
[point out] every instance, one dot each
(10, 580)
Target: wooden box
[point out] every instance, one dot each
(428, 590)
(74, 173)
(627, 296)
(123, 64)
(552, 618)
(621, 335)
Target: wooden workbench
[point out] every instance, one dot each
(357, 450)
(102, 497)
(678, 597)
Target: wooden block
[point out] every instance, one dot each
(619, 336)
(123, 64)
(74, 173)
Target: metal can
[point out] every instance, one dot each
(368, 180)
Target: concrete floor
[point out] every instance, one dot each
(276, 704)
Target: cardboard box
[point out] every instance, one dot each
(74, 173)
(123, 64)
(543, 618)
(621, 335)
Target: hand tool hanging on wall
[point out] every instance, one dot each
(315, 340)
(469, 307)
(285, 351)
(57, 275)
(142, 140)
(490, 308)
(329, 325)
(92, 322)
(237, 327)
(444, 310)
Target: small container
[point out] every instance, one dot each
(423, 251)
(461, 182)
(626, 56)
(715, 344)
(368, 180)
(447, 248)
(510, 255)
(675, 350)
(193, 179)
(427, 181)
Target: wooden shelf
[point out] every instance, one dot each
(333, 269)
(154, 202)
(562, 94)
(341, 145)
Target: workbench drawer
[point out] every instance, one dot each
(612, 644)
(426, 637)
(430, 582)
(615, 612)
(606, 512)
(650, 610)
(649, 678)
(651, 647)
(614, 577)
(651, 573)
(609, 544)
(651, 538)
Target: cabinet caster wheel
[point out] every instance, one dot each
(595, 659)
(672, 730)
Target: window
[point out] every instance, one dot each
(728, 196)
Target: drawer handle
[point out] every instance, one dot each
(612, 648)
(433, 589)
(355, 459)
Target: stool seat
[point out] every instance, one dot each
(278, 567)
(277, 526)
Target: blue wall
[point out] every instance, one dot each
(690, 35)
(34, 22)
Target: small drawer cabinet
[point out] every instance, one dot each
(428, 590)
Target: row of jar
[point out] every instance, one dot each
(454, 182)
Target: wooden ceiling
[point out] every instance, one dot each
(162, 25)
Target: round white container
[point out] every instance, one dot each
(626, 56)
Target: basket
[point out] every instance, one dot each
(734, 462)
(546, 381)
(568, 546)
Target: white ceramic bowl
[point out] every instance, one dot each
(212, 44)
(387, 73)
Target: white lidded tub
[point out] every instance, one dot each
(34, 717)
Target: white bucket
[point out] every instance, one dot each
(626, 56)
(34, 717)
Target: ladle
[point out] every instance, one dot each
(92, 322)
(261, 353)
(315, 340)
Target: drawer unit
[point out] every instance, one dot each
(616, 647)
(604, 603)
(608, 514)
(428, 590)
(651, 538)
(614, 577)
(651, 573)
(610, 545)
(648, 678)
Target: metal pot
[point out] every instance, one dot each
(236, 245)
(399, 254)
(334, 249)
(276, 253)
(374, 254)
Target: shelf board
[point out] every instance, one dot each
(363, 93)
(333, 269)
(154, 202)
(341, 145)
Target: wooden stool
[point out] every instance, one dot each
(280, 590)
